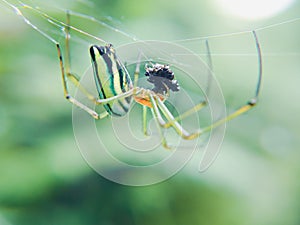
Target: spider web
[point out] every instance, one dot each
(88, 27)
(235, 49)
(49, 21)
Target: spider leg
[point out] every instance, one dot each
(145, 108)
(170, 118)
(156, 117)
(231, 116)
(136, 73)
(72, 77)
(171, 121)
(65, 72)
(187, 113)
(180, 130)
(67, 43)
(66, 91)
(202, 104)
(75, 80)
(135, 83)
(210, 68)
(250, 104)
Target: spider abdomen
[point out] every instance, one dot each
(111, 78)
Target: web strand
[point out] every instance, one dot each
(237, 33)
(61, 25)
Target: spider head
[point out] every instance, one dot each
(162, 77)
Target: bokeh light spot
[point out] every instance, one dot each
(253, 9)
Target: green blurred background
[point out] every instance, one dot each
(44, 179)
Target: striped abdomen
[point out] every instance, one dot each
(111, 78)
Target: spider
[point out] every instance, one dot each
(117, 94)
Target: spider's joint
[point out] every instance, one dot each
(192, 136)
(95, 115)
(252, 102)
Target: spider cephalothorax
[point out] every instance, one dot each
(162, 77)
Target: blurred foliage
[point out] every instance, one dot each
(44, 179)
